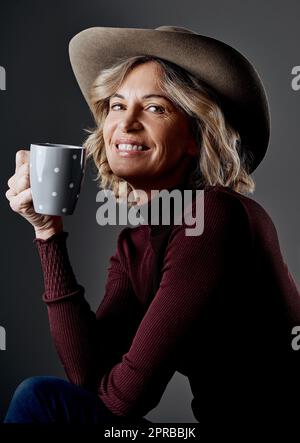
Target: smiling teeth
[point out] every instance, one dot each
(126, 147)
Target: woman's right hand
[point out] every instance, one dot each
(20, 199)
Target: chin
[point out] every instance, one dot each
(127, 174)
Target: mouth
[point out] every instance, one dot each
(126, 147)
(130, 150)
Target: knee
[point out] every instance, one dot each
(28, 399)
(32, 386)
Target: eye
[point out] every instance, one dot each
(159, 108)
(114, 105)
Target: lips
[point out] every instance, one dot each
(145, 148)
(120, 141)
(130, 153)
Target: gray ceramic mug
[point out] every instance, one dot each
(56, 177)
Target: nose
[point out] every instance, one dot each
(130, 121)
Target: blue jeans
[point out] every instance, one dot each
(47, 399)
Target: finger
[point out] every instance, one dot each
(22, 156)
(10, 193)
(13, 182)
(23, 169)
(22, 201)
(22, 181)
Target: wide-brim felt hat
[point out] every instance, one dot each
(229, 74)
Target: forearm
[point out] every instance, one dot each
(59, 278)
(72, 323)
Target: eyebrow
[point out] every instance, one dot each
(144, 96)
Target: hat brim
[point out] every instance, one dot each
(225, 70)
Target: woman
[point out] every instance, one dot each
(218, 307)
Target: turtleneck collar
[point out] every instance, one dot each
(156, 223)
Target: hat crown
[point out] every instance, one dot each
(175, 29)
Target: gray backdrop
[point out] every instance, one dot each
(42, 103)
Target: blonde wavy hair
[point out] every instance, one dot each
(221, 160)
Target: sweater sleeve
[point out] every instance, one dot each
(88, 344)
(194, 270)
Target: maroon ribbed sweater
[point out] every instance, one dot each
(222, 315)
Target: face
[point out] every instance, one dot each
(140, 114)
